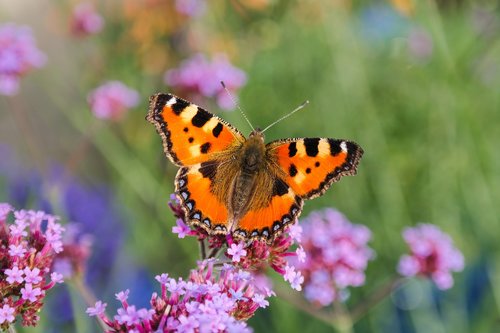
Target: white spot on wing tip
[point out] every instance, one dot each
(171, 101)
(343, 146)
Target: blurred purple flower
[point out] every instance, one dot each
(336, 255)
(18, 55)
(199, 77)
(85, 20)
(190, 7)
(28, 273)
(209, 301)
(485, 21)
(112, 100)
(432, 254)
(420, 44)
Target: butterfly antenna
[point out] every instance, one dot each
(301, 106)
(237, 105)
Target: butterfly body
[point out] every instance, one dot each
(231, 184)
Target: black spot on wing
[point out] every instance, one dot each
(204, 148)
(186, 129)
(280, 187)
(217, 129)
(208, 169)
(311, 145)
(292, 149)
(292, 171)
(201, 117)
(191, 139)
(179, 106)
(308, 170)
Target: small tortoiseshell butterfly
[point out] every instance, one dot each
(229, 183)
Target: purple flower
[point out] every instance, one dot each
(236, 251)
(29, 293)
(112, 100)
(432, 254)
(85, 20)
(336, 255)
(122, 296)
(203, 305)
(182, 229)
(190, 7)
(32, 275)
(18, 55)
(14, 275)
(24, 286)
(97, 310)
(295, 278)
(7, 314)
(199, 77)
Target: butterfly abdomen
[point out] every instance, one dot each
(251, 160)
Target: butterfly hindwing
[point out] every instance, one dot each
(190, 134)
(311, 165)
(280, 209)
(203, 206)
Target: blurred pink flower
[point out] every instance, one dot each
(85, 20)
(190, 7)
(27, 274)
(18, 55)
(420, 44)
(112, 100)
(199, 77)
(432, 254)
(336, 255)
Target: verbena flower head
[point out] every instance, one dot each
(27, 249)
(337, 255)
(432, 254)
(255, 256)
(212, 299)
(190, 7)
(18, 55)
(198, 76)
(112, 100)
(85, 20)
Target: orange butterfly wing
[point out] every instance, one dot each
(190, 134)
(311, 165)
(301, 169)
(198, 142)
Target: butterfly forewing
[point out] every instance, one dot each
(190, 134)
(311, 165)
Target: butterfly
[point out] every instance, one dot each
(227, 183)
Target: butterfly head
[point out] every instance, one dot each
(257, 134)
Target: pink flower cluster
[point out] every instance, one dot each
(432, 254)
(199, 77)
(27, 249)
(18, 55)
(213, 299)
(337, 255)
(85, 20)
(112, 100)
(253, 256)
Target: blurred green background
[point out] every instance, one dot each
(415, 83)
